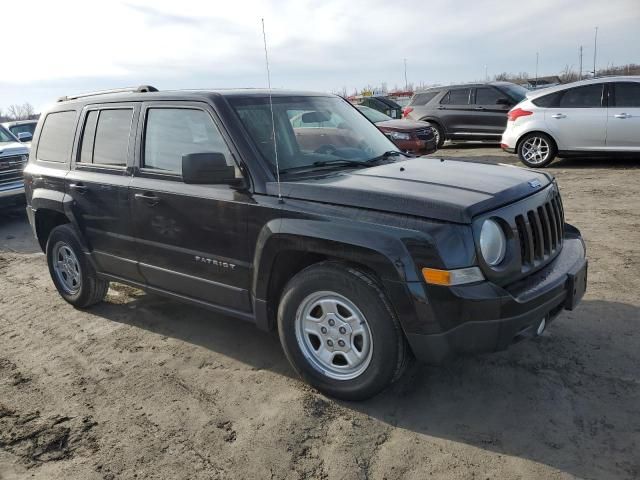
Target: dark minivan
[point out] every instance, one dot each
(466, 112)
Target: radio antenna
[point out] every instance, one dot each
(273, 123)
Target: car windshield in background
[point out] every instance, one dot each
(310, 131)
(374, 115)
(23, 128)
(5, 136)
(517, 92)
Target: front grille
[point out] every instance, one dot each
(11, 168)
(540, 233)
(425, 134)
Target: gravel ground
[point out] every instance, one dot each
(143, 387)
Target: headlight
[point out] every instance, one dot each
(400, 136)
(493, 243)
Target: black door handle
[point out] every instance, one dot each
(78, 187)
(147, 197)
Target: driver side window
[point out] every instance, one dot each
(171, 133)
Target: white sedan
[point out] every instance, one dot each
(601, 115)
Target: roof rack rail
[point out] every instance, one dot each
(139, 89)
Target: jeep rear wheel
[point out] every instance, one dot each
(74, 277)
(339, 332)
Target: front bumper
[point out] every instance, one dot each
(12, 189)
(490, 318)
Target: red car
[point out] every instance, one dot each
(409, 135)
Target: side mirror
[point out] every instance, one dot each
(25, 136)
(206, 168)
(504, 101)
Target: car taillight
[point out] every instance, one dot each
(406, 111)
(516, 113)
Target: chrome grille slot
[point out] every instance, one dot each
(11, 168)
(540, 233)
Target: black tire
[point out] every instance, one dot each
(90, 288)
(389, 355)
(440, 135)
(545, 140)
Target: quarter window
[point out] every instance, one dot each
(174, 132)
(56, 137)
(627, 94)
(589, 96)
(423, 98)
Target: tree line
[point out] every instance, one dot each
(18, 112)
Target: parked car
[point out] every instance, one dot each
(380, 103)
(22, 129)
(466, 112)
(358, 255)
(412, 137)
(13, 158)
(597, 116)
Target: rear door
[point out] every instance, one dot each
(623, 126)
(192, 238)
(456, 112)
(98, 183)
(578, 118)
(491, 116)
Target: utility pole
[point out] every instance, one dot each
(537, 59)
(406, 83)
(580, 72)
(595, 52)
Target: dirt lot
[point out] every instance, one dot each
(142, 387)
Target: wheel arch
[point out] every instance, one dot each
(536, 130)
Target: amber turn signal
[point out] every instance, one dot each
(460, 276)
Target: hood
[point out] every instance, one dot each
(445, 190)
(402, 125)
(13, 148)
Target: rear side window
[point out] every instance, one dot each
(423, 98)
(547, 101)
(105, 140)
(173, 132)
(589, 96)
(56, 137)
(627, 94)
(458, 96)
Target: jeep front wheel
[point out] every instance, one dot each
(72, 274)
(339, 331)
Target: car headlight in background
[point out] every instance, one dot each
(493, 243)
(399, 136)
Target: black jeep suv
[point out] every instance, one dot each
(360, 257)
(466, 112)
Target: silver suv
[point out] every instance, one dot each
(600, 116)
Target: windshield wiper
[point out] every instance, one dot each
(385, 156)
(324, 163)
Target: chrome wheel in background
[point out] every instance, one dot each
(536, 150)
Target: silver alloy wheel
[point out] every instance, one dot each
(333, 335)
(536, 150)
(66, 268)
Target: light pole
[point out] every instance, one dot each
(595, 52)
(580, 72)
(406, 83)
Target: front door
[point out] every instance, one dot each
(578, 118)
(491, 115)
(98, 183)
(623, 126)
(191, 238)
(456, 112)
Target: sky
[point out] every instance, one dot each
(68, 46)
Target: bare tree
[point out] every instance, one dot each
(21, 112)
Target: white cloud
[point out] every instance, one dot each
(71, 45)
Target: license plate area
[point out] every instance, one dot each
(576, 285)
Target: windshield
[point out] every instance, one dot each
(310, 131)
(517, 92)
(23, 128)
(373, 115)
(5, 136)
